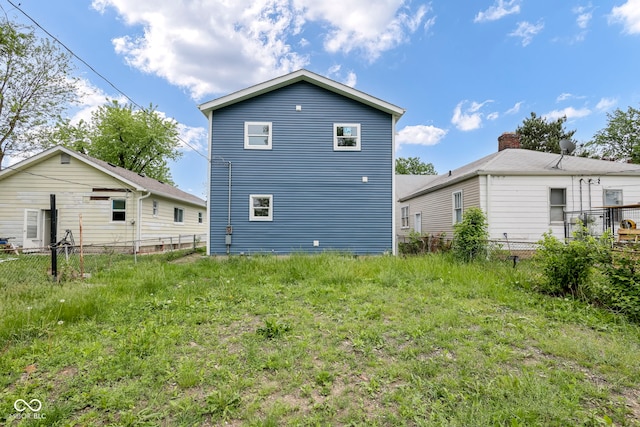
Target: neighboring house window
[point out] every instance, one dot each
(557, 203)
(155, 208)
(257, 135)
(346, 136)
(178, 215)
(260, 207)
(200, 216)
(613, 198)
(118, 210)
(457, 207)
(404, 214)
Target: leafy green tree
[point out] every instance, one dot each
(538, 134)
(35, 87)
(620, 140)
(139, 140)
(471, 235)
(413, 166)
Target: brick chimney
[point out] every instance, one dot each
(508, 140)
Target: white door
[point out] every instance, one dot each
(31, 233)
(417, 224)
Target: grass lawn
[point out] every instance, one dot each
(312, 340)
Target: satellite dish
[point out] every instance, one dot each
(567, 146)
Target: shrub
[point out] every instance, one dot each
(567, 268)
(470, 236)
(620, 291)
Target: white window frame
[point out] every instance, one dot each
(252, 215)
(552, 206)
(200, 217)
(404, 217)
(178, 215)
(247, 136)
(123, 210)
(336, 138)
(457, 210)
(154, 208)
(612, 190)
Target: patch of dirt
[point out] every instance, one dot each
(188, 259)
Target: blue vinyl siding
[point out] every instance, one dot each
(318, 193)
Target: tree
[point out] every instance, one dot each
(35, 87)
(141, 141)
(538, 134)
(413, 166)
(620, 140)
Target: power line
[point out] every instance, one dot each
(72, 53)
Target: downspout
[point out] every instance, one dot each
(229, 229)
(139, 224)
(394, 242)
(488, 202)
(589, 186)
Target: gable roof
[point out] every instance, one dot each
(299, 76)
(129, 178)
(516, 161)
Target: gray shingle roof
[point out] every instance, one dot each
(515, 161)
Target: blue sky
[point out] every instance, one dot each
(465, 71)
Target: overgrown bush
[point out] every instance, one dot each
(422, 243)
(568, 267)
(620, 292)
(470, 236)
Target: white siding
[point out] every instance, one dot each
(82, 192)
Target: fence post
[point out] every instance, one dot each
(54, 236)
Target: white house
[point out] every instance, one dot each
(114, 205)
(523, 193)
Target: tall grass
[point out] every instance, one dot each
(330, 339)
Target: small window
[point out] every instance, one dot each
(612, 197)
(118, 210)
(200, 217)
(404, 214)
(65, 158)
(346, 137)
(257, 135)
(155, 208)
(557, 203)
(260, 207)
(178, 215)
(457, 207)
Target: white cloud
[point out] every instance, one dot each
(219, 46)
(563, 97)
(420, 135)
(629, 15)
(335, 73)
(526, 31)
(499, 10)
(515, 109)
(569, 113)
(469, 118)
(493, 116)
(606, 104)
(584, 17)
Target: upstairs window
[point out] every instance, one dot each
(257, 135)
(261, 207)
(178, 215)
(200, 216)
(118, 210)
(346, 137)
(557, 203)
(154, 209)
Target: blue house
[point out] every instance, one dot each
(301, 163)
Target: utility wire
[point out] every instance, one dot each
(72, 53)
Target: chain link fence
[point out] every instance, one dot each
(433, 243)
(73, 261)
